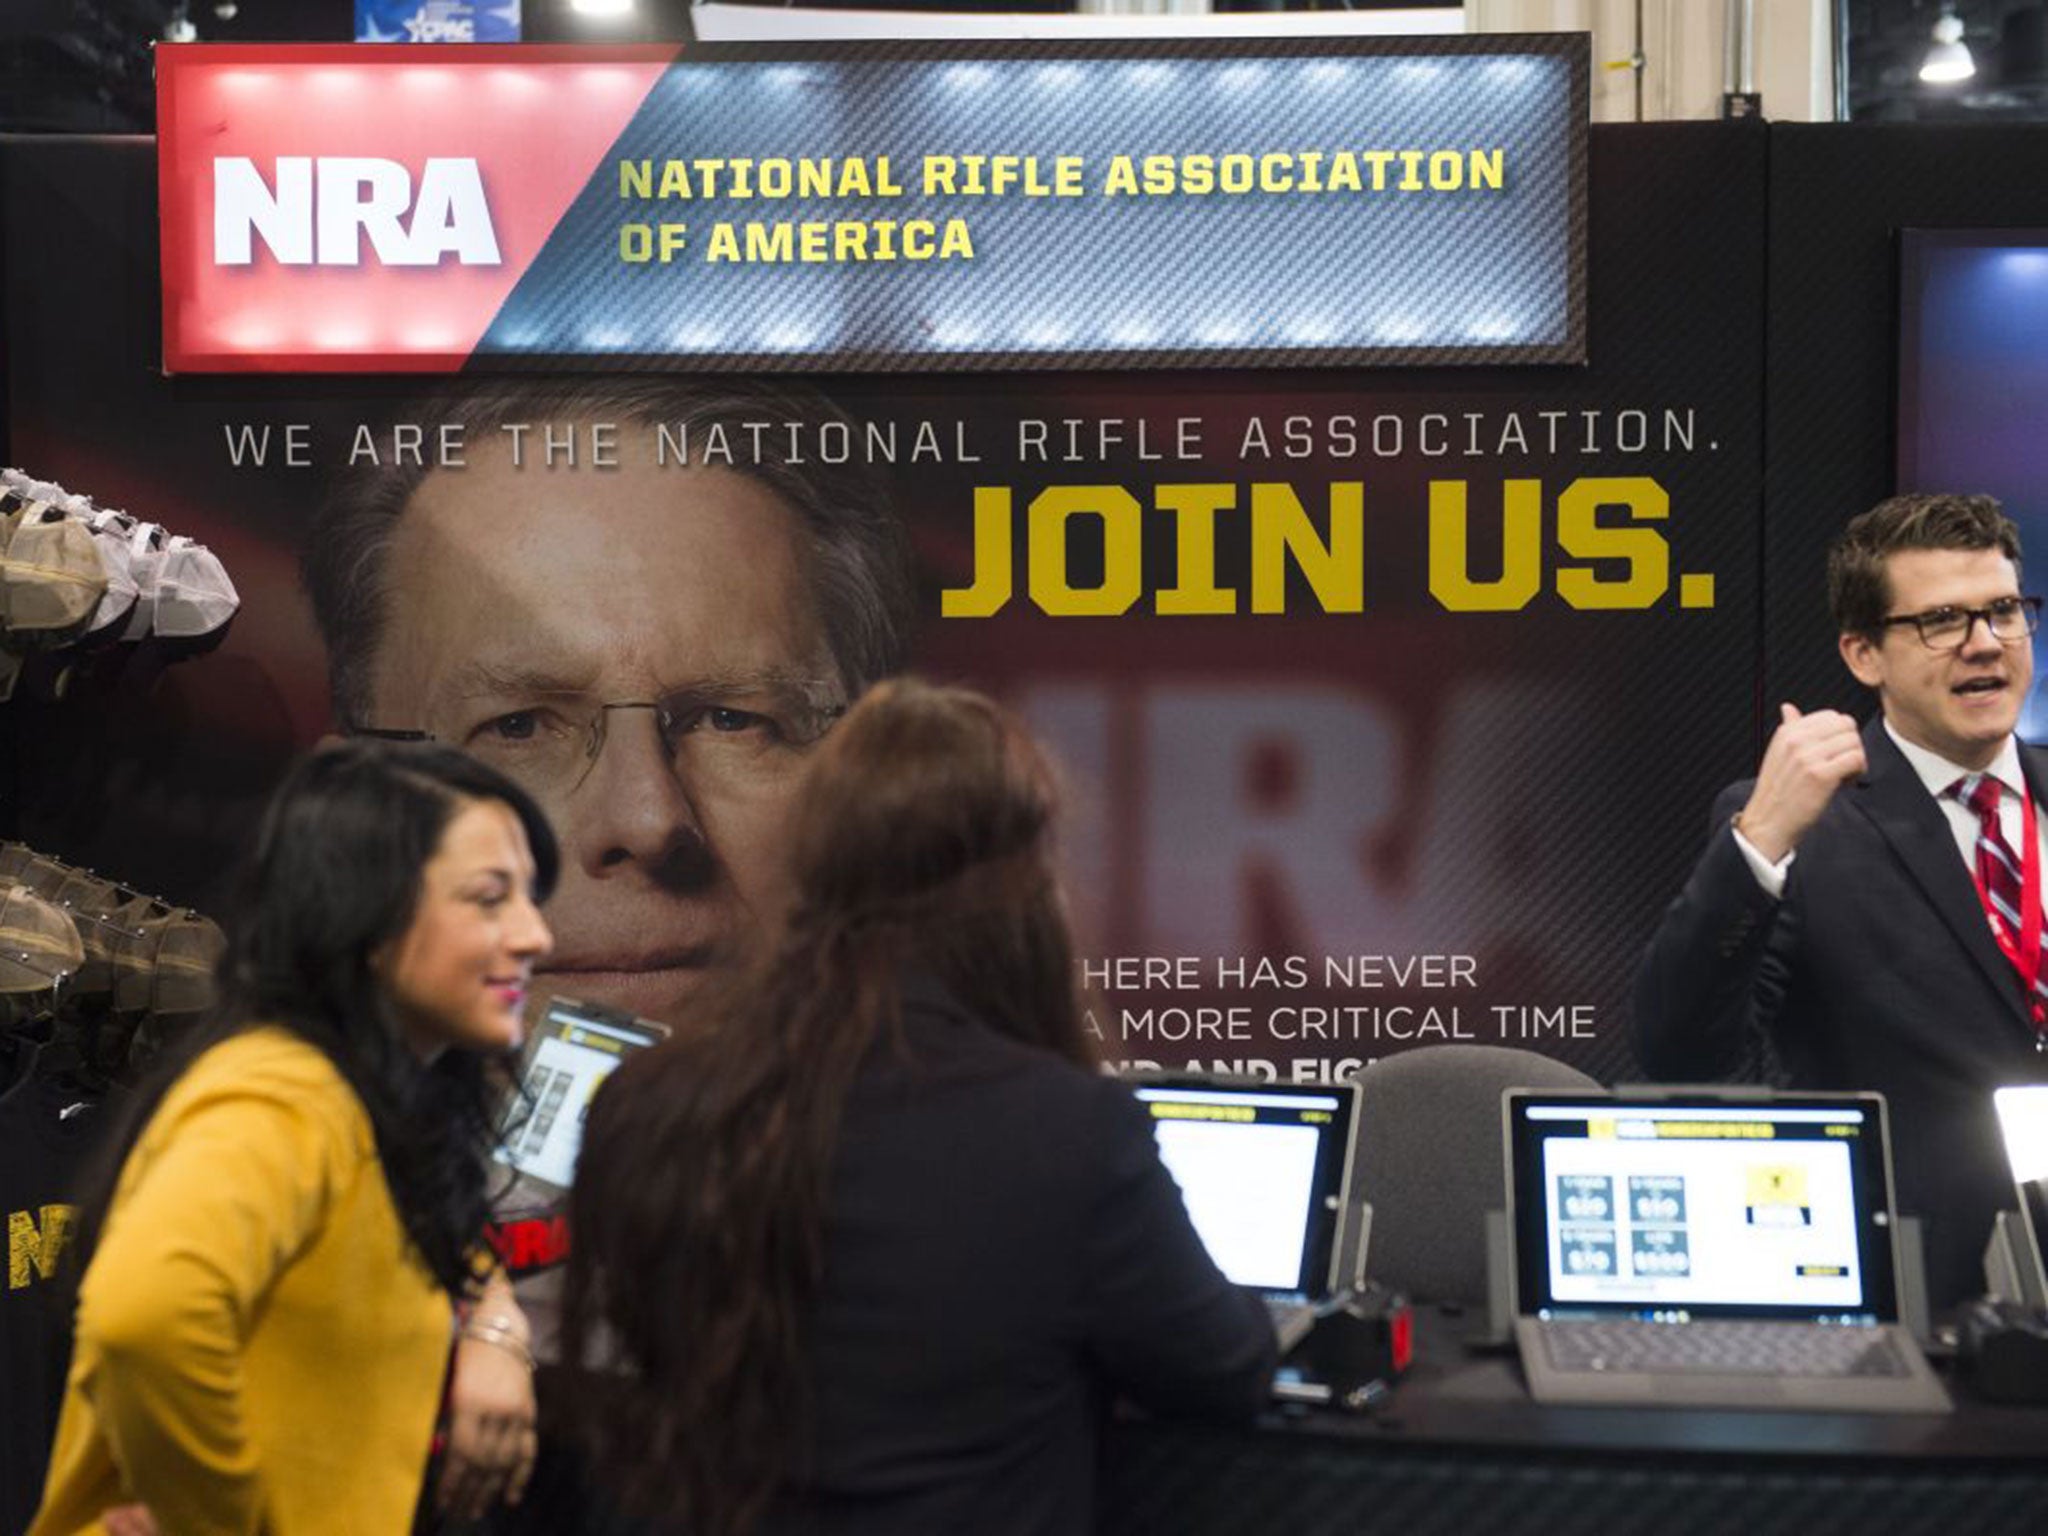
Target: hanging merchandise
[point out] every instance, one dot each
(75, 576)
(145, 566)
(96, 978)
(39, 950)
(50, 1137)
(109, 529)
(51, 579)
(51, 1116)
(163, 983)
(193, 597)
(110, 533)
(138, 969)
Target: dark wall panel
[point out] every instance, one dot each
(1839, 194)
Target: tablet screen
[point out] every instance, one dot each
(574, 1049)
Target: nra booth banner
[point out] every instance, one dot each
(1390, 699)
(902, 206)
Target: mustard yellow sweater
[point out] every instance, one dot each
(259, 1349)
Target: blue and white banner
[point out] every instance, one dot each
(437, 21)
(1390, 200)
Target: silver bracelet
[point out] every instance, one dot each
(500, 1332)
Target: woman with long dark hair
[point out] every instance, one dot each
(273, 1279)
(870, 1250)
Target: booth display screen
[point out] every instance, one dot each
(1973, 369)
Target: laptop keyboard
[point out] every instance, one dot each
(1722, 1348)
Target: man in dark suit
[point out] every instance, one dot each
(1841, 905)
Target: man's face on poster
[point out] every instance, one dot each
(639, 647)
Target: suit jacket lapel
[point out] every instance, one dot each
(1905, 815)
(2034, 764)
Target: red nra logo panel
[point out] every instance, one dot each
(529, 1244)
(342, 208)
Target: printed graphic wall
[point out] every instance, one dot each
(1391, 698)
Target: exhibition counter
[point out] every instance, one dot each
(1459, 1447)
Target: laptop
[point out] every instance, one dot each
(1265, 1171)
(1732, 1248)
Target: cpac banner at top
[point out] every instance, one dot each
(902, 206)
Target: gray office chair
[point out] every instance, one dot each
(1427, 1156)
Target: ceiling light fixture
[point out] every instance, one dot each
(1948, 60)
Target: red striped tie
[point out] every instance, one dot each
(1998, 868)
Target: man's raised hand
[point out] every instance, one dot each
(1809, 757)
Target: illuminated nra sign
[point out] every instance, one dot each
(900, 206)
(318, 212)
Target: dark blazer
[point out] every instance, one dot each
(1003, 1254)
(1876, 970)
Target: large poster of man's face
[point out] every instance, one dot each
(559, 582)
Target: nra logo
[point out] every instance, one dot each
(317, 212)
(530, 1244)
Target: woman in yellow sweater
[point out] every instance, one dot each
(273, 1282)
